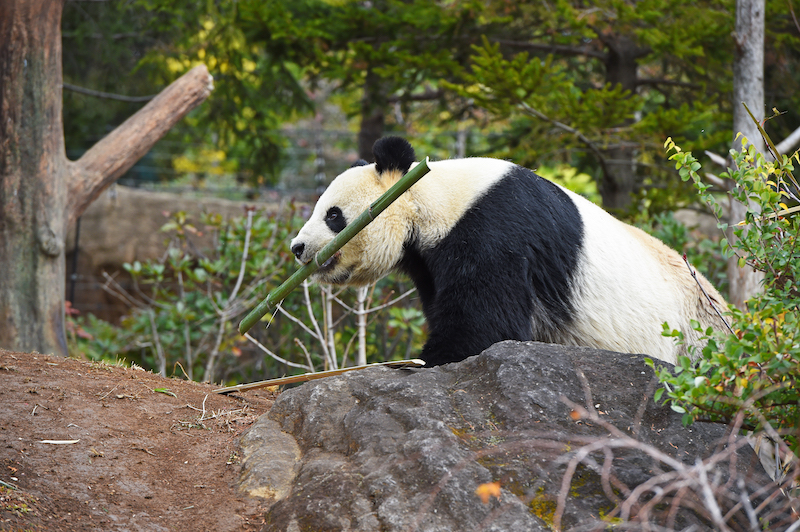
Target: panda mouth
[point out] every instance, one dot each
(330, 263)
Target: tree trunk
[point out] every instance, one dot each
(373, 103)
(41, 192)
(32, 204)
(748, 87)
(619, 182)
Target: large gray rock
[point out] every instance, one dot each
(385, 449)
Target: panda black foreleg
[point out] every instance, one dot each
(468, 317)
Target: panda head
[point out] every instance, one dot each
(377, 248)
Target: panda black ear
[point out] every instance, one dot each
(393, 153)
(360, 162)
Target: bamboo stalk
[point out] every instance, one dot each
(412, 363)
(377, 207)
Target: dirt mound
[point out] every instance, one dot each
(149, 453)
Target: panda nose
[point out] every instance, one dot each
(297, 249)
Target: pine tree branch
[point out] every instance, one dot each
(112, 156)
(420, 97)
(580, 136)
(662, 81)
(556, 49)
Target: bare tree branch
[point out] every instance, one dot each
(162, 359)
(112, 156)
(280, 359)
(230, 302)
(676, 83)
(580, 136)
(790, 142)
(558, 49)
(716, 158)
(421, 97)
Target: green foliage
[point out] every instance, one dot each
(501, 84)
(249, 48)
(186, 307)
(93, 338)
(590, 86)
(268, 59)
(408, 320)
(271, 59)
(756, 368)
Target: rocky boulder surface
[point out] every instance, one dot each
(524, 437)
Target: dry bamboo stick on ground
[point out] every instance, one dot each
(412, 363)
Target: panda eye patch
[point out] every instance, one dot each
(335, 219)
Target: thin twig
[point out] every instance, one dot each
(297, 321)
(361, 325)
(276, 357)
(186, 335)
(708, 496)
(326, 295)
(109, 392)
(203, 415)
(744, 498)
(179, 365)
(230, 301)
(580, 136)
(302, 347)
(119, 292)
(162, 361)
(708, 298)
(392, 302)
(320, 336)
(347, 348)
(248, 231)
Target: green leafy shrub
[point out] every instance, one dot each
(755, 368)
(94, 338)
(186, 306)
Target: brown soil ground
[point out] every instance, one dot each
(144, 460)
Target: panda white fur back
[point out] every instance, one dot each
(497, 253)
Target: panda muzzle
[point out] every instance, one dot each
(299, 249)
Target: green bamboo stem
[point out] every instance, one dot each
(377, 207)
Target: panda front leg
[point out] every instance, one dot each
(470, 315)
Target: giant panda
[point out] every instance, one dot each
(498, 253)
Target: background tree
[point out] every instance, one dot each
(633, 72)
(395, 53)
(134, 48)
(752, 35)
(600, 86)
(378, 56)
(41, 191)
(748, 89)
